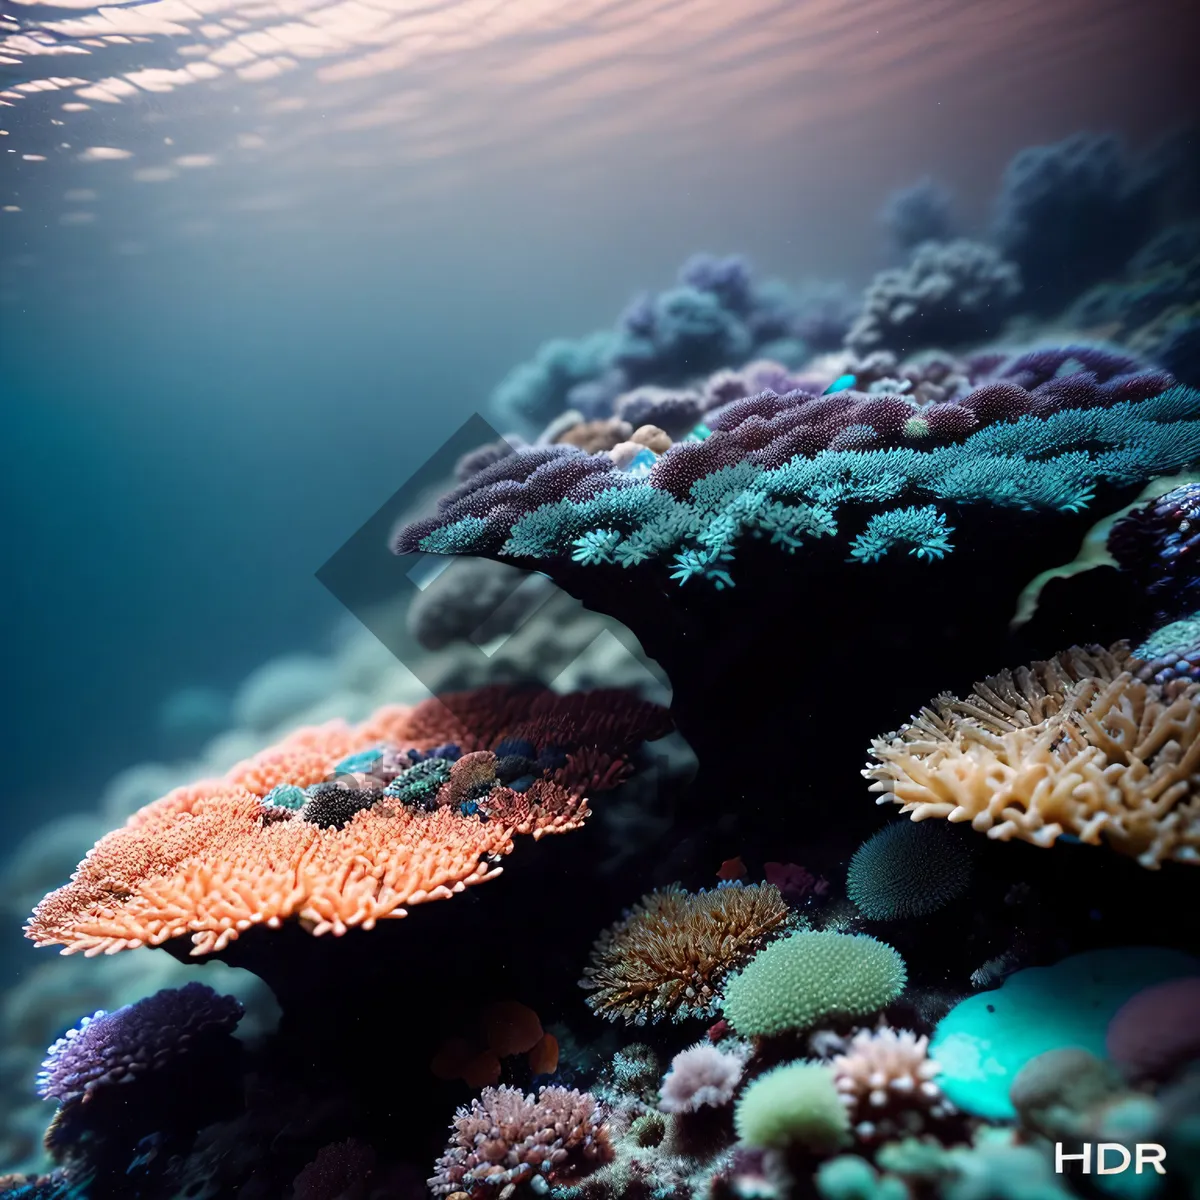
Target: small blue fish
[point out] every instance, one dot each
(841, 384)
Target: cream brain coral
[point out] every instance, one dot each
(1077, 745)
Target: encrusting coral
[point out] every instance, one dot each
(667, 957)
(1075, 745)
(215, 858)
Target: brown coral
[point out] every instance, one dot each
(211, 860)
(1077, 745)
(670, 953)
(886, 1080)
(506, 1138)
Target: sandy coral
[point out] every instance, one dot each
(886, 1080)
(211, 861)
(667, 957)
(505, 1137)
(1077, 745)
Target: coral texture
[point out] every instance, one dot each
(949, 293)
(793, 468)
(1159, 544)
(110, 1048)
(887, 1081)
(667, 957)
(908, 870)
(796, 1104)
(808, 976)
(1077, 745)
(505, 1137)
(212, 859)
(700, 1076)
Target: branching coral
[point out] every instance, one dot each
(213, 859)
(669, 954)
(505, 1137)
(111, 1048)
(887, 1081)
(1077, 745)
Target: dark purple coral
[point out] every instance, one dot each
(116, 1047)
(1158, 543)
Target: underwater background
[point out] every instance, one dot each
(271, 272)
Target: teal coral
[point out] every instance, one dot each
(908, 869)
(985, 1040)
(1032, 463)
(922, 530)
(809, 976)
(286, 795)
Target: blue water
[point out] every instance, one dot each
(225, 345)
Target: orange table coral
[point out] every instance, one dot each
(343, 825)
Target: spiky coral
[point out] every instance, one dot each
(701, 1076)
(667, 957)
(1077, 745)
(505, 1137)
(887, 1082)
(111, 1048)
(211, 860)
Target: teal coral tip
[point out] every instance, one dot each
(923, 530)
(364, 760)
(595, 547)
(692, 564)
(983, 1042)
(286, 795)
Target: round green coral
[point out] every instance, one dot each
(804, 978)
(908, 869)
(794, 1105)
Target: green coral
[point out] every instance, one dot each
(908, 869)
(794, 1105)
(800, 980)
(419, 785)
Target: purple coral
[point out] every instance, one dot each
(505, 1137)
(1159, 544)
(949, 293)
(700, 1076)
(116, 1047)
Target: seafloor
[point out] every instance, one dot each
(819, 819)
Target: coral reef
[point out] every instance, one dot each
(918, 213)
(1074, 745)
(668, 956)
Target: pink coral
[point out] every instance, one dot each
(700, 1076)
(505, 1137)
